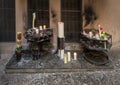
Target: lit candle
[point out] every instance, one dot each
(69, 56)
(65, 58)
(106, 38)
(37, 31)
(75, 56)
(59, 52)
(61, 39)
(90, 34)
(41, 29)
(60, 29)
(18, 46)
(44, 27)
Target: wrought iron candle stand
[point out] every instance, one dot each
(96, 50)
(36, 41)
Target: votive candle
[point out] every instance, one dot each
(75, 56)
(65, 58)
(69, 56)
(44, 27)
(37, 31)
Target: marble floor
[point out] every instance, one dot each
(96, 77)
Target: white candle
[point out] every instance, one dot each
(105, 44)
(44, 27)
(65, 58)
(37, 31)
(75, 56)
(60, 29)
(40, 27)
(62, 54)
(90, 34)
(84, 84)
(69, 56)
(97, 36)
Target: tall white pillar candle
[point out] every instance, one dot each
(84, 84)
(40, 28)
(75, 56)
(60, 29)
(69, 56)
(61, 54)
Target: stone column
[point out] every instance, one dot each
(21, 16)
(55, 17)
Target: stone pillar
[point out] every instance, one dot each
(21, 16)
(55, 17)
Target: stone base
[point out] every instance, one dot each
(50, 63)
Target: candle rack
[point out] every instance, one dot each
(94, 45)
(36, 41)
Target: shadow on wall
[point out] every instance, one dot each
(90, 15)
(54, 16)
(92, 11)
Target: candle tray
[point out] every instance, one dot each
(36, 41)
(96, 44)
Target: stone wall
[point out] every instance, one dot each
(55, 10)
(21, 16)
(108, 15)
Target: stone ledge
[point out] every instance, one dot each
(54, 70)
(50, 63)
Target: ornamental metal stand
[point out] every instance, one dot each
(36, 40)
(95, 49)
